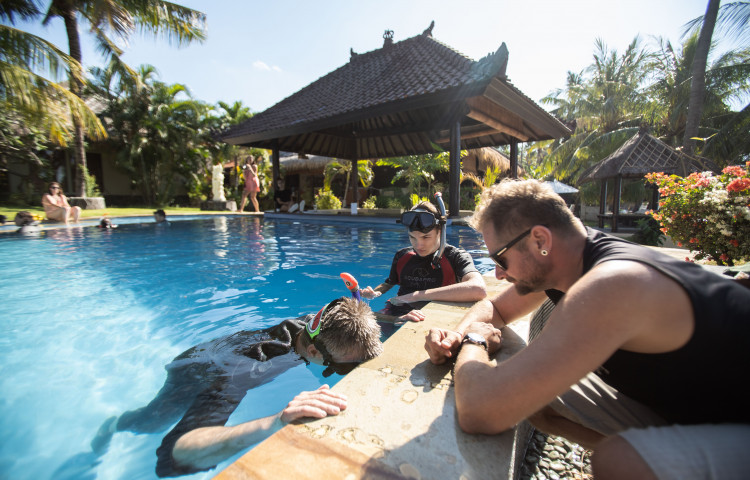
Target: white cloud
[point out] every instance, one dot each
(261, 65)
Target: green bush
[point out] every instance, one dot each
(649, 233)
(371, 202)
(326, 200)
(92, 189)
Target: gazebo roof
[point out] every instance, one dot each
(398, 100)
(644, 154)
(294, 163)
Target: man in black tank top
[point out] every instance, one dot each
(650, 344)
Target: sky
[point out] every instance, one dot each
(262, 52)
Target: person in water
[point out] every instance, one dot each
(421, 276)
(206, 383)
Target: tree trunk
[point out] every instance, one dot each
(74, 43)
(698, 81)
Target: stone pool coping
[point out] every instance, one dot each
(400, 422)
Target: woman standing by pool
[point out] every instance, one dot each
(252, 185)
(56, 205)
(452, 277)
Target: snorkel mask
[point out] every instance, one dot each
(424, 221)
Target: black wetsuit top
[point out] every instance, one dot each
(701, 381)
(213, 378)
(412, 272)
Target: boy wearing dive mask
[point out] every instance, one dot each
(422, 277)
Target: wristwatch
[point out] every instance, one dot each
(474, 338)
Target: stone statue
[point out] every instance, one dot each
(218, 183)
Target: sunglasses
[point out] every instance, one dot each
(496, 256)
(418, 220)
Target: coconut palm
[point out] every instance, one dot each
(698, 77)
(726, 81)
(119, 18)
(336, 168)
(604, 103)
(417, 169)
(30, 72)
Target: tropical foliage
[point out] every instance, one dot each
(709, 213)
(617, 95)
(46, 100)
(418, 171)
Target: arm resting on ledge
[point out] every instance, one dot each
(207, 446)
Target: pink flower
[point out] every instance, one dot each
(723, 257)
(738, 184)
(734, 242)
(734, 170)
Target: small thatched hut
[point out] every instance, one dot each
(638, 156)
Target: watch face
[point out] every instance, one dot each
(476, 338)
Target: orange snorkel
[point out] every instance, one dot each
(352, 285)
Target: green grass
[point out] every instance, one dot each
(10, 211)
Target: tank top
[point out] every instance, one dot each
(699, 382)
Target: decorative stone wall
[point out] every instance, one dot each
(88, 203)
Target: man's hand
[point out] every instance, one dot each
(317, 404)
(441, 344)
(493, 336)
(413, 316)
(369, 293)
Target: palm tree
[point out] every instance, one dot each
(726, 80)
(121, 18)
(30, 68)
(605, 104)
(336, 168)
(417, 169)
(698, 80)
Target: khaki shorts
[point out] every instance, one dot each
(671, 451)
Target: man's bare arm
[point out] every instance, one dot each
(506, 307)
(471, 288)
(616, 305)
(205, 447)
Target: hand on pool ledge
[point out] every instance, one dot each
(205, 447)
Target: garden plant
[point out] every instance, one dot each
(708, 213)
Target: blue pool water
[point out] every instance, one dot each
(90, 318)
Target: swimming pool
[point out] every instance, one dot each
(90, 318)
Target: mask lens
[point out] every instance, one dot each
(416, 220)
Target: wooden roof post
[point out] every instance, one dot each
(355, 182)
(276, 168)
(616, 205)
(514, 158)
(602, 201)
(454, 199)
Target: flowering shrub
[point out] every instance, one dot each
(708, 213)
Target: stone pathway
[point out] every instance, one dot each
(554, 458)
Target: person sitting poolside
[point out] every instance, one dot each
(640, 360)
(456, 279)
(285, 199)
(56, 206)
(206, 383)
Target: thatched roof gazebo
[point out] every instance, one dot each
(410, 97)
(480, 159)
(638, 156)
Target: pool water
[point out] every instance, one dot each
(90, 318)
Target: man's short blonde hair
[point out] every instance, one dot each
(515, 205)
(349, 330)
